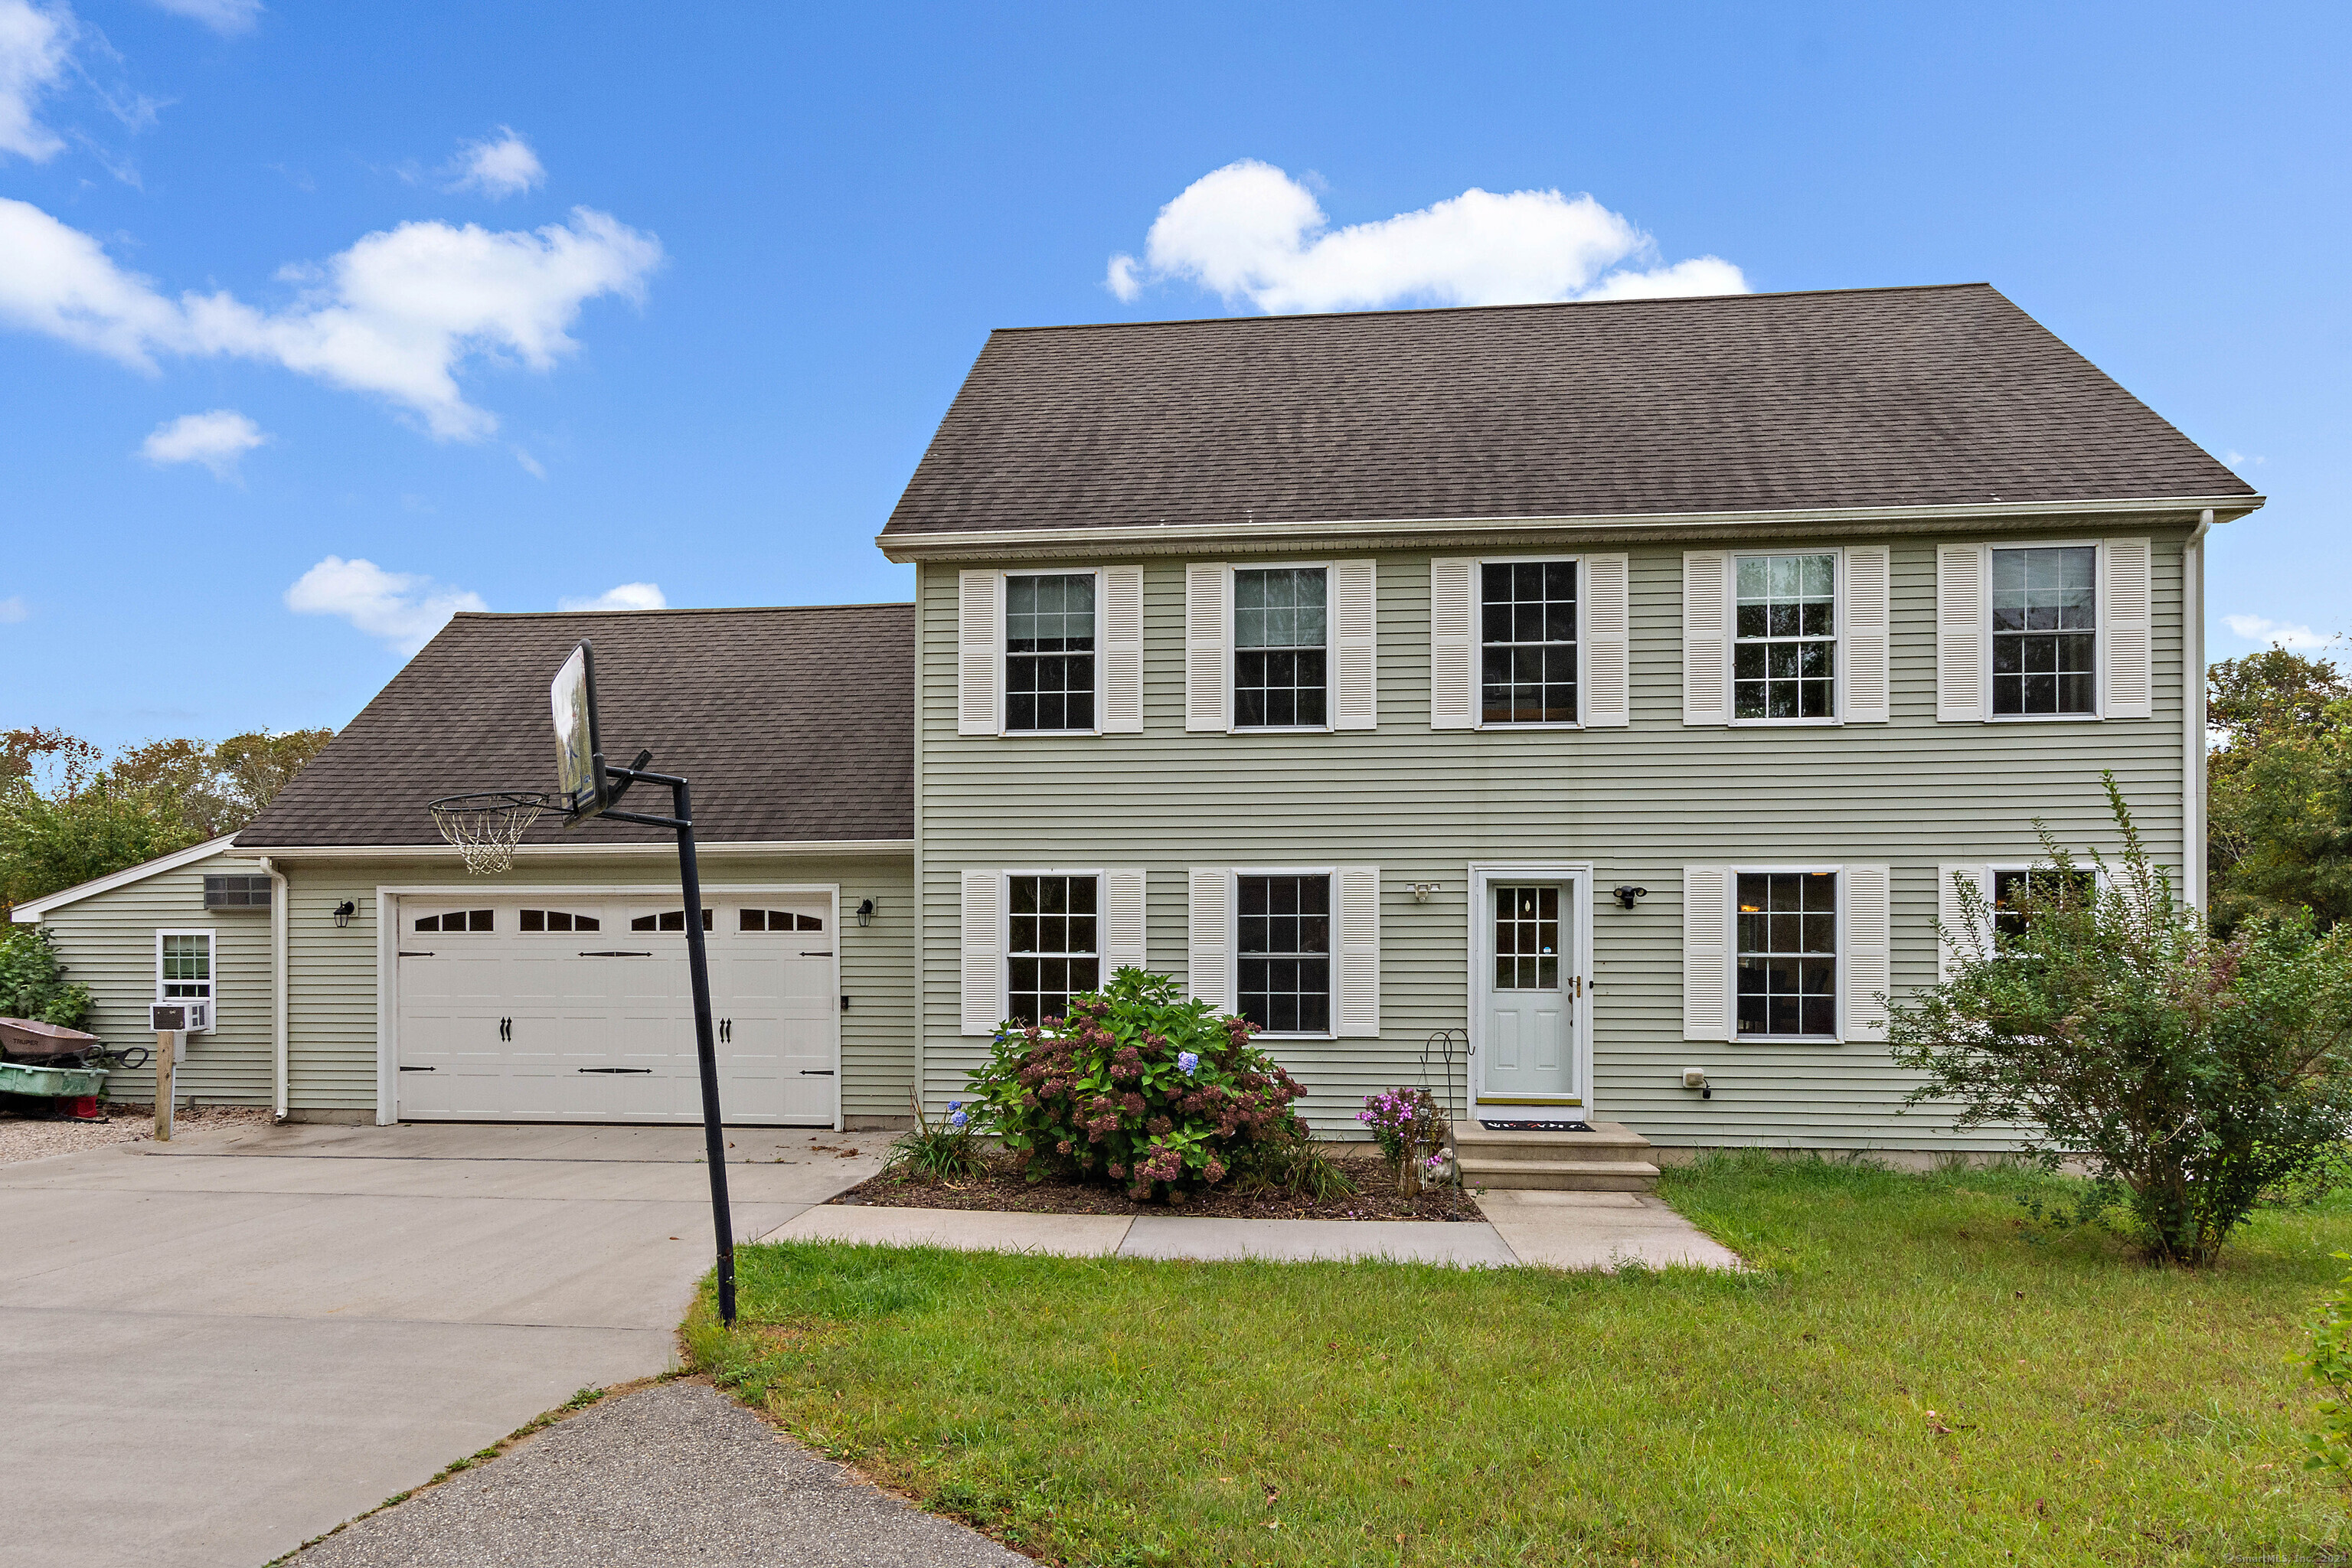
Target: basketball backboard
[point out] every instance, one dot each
(580, 748)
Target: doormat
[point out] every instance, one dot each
(1535, 1126)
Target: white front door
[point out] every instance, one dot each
(1527, 1028)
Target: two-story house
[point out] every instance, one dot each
(1620, 685)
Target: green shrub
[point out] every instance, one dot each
(1137, 1085)
(2330, 1365)
(33, 983)
(936, 1150)
(2194, 1075)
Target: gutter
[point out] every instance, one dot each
(277, 982)
(594, 851)
(1165, 538)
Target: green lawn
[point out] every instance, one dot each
(1915, 1375)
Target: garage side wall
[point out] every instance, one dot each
(331, 1008)
(107, 941)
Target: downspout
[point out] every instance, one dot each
(2192, 708)
(277, 982)
(921, 900)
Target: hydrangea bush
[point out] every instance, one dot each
(1137, 1085)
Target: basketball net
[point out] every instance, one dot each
(485, 828)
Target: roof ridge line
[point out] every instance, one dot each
(682, 610)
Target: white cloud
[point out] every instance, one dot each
(1248, 231)
(401, 607)
(216, 441)
(223, 17)
(396, 314)
(2241, 460)
(14, 609)
(628, 596)
(501, 166)
(36, 44)
(2258, 628)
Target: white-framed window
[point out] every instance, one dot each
(458, 921)
(1053, 942)
(1785, 952)
(1283, 950)
(184, 967)
(2040, 630)
(1792, 953)
(1053, 652)
(1282, 647)
(1784, 637)
(1530, 642)
(1998, 884)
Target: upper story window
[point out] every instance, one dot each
(1052, 951)
(1281, 641)
(2046, 630)
(1049, 652)
(1527, 642)
(1787, 954)
(1784, 646)
(1285, 953)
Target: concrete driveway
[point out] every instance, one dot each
(215, 1350)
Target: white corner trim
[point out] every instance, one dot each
(592, 850)
(32, 909)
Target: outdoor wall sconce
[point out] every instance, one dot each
(344, 911)
(864, 916)
(1625, 893)
(1420, 891)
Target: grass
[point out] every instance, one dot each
(1916, 1374)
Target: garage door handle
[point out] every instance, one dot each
(417, 1070)
(827, 953)
(816, 1072)
(616, 954)
(617, 1069)
(416, 955)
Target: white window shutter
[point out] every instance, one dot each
(1122, 646)
(1869, 950)
(980, 661)
(2128, 627)
(1453, 643)
(1208, 965)
(1356, 1012)
(1122, 926)
(1707, 953)
(983, 952)
(1608, 641)
(1960, 633)
(1355, 644)
(1869, 594)
(1208, 643)
(1707, 636)
(1958, 938)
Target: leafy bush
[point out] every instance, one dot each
(1411, 1131)
(33, 983)
(2330, 1365)
(1289, 1161)
(936, 1150)
(2194, 1074)
(1137, 1085)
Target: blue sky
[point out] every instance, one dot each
(522, 304)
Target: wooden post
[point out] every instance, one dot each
(167, 1047)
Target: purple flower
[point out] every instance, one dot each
(1188, 1062)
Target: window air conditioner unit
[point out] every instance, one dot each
(180, 1018)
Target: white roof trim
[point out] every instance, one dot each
(30, 911)
(916, 546)
(588, 849)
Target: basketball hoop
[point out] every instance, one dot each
(486, 827)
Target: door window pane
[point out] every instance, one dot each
(2046, 630)
(1051, 955)
(1526, 938)
(1788, 953)
(1049, 652)
(1784, 647)
(558, 920)
(1527, 642)
(1285, 928)
(668, 920)
(1279, 649)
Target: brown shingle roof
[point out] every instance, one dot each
(1872, 397)
(789, 723)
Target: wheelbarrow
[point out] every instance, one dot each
(57, 1070)
(55, 1087)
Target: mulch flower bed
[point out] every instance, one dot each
(1002, 1187)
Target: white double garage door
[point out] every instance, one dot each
(558, 1007)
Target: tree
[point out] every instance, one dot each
(50, 843)
(256, 765)
(2279, 790)
(2192, 1072)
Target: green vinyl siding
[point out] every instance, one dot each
(331, 1025)
(107, 941)
(1638, 803)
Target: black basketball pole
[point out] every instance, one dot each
(698, 963)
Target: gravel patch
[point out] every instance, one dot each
(37, 1138)
(673, 1474)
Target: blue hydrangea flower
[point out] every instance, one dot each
(957, 1119)
(1188, 1062)
(955, 1105)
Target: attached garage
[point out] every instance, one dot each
(574, 1006)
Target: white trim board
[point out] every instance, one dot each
(585, 848)
(32, 909)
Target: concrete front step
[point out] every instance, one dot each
(1607, 1141)
(1561, 1175)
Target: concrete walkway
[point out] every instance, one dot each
(1553, 1230)
(218, 1348)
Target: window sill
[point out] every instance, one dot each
(1269, 1035)
(1505, 724)
(1786, 724)
(2044, 718)
(1044, 734)
(1280, 730)
(1788, 1039)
